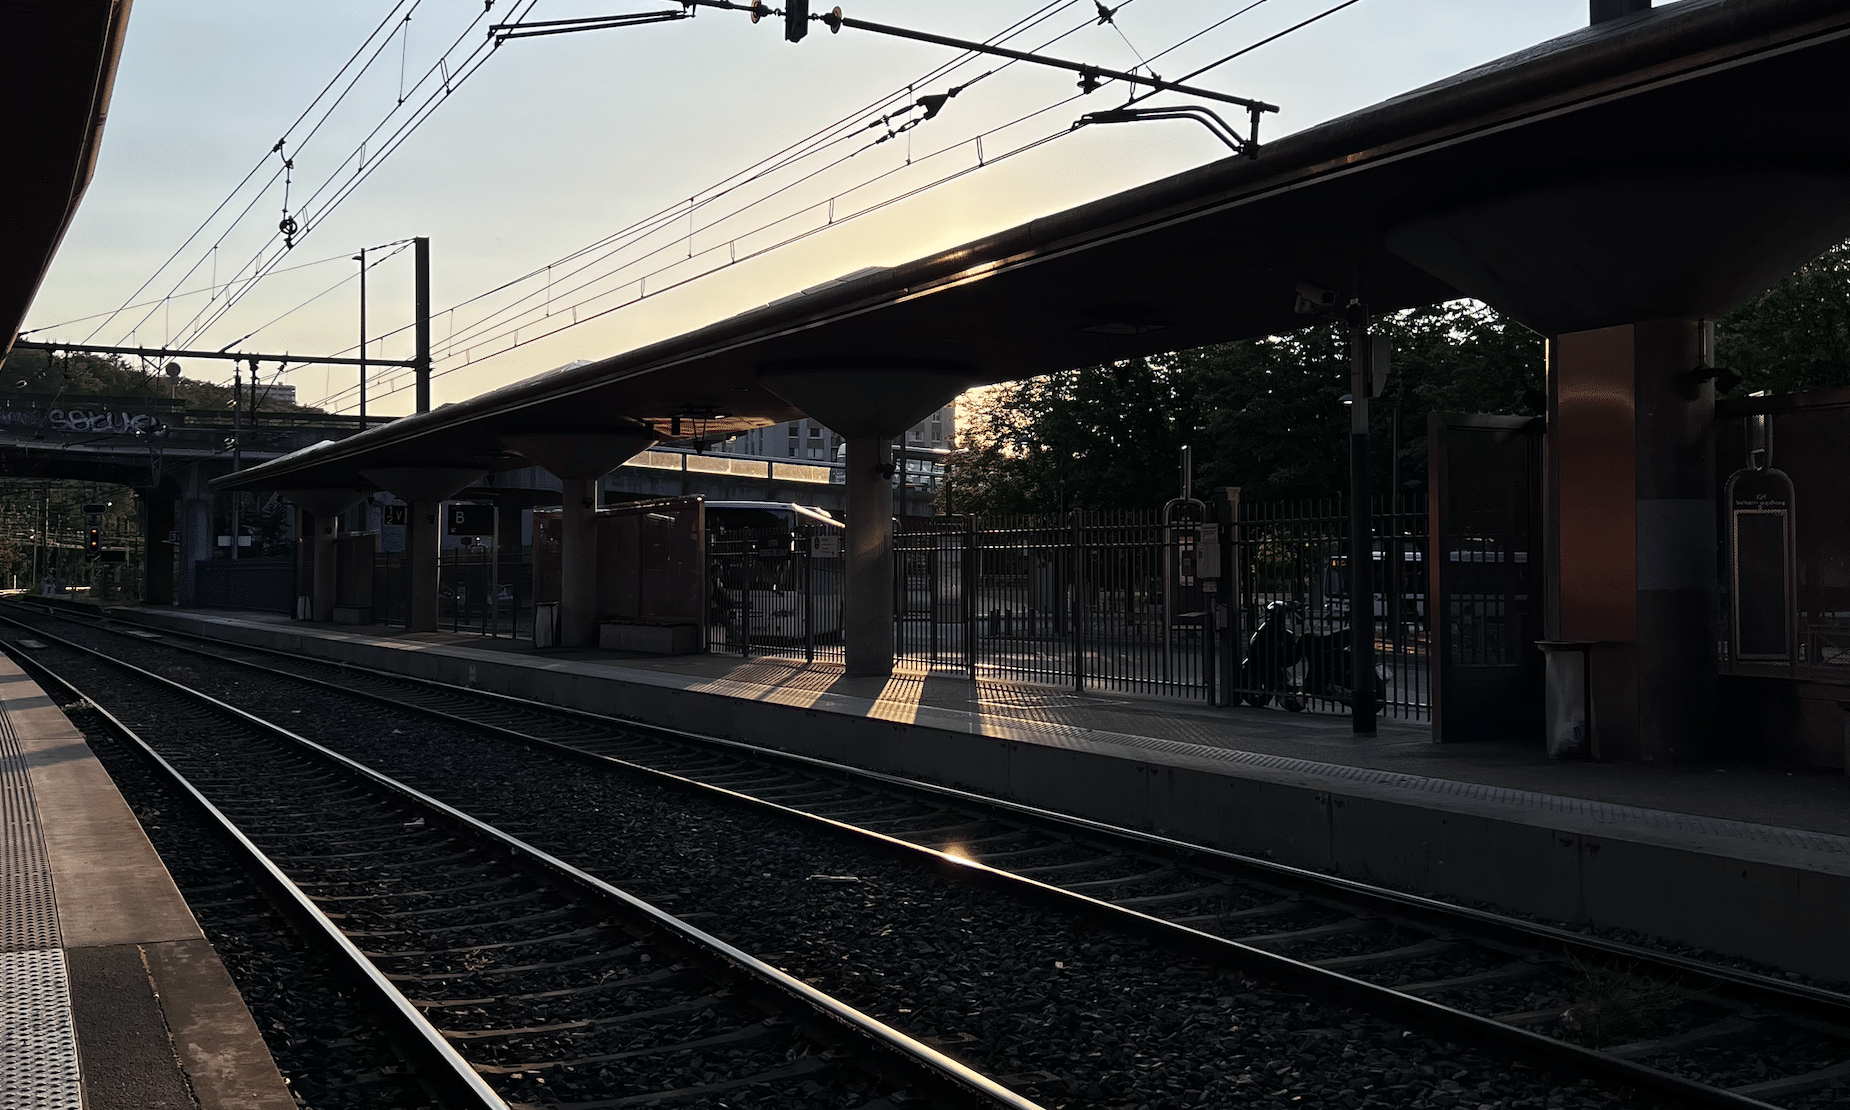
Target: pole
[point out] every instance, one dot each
(38, 550)
(237, 448)
(1361, 535)
(361, 259)
(1397, 568)
(421, 360)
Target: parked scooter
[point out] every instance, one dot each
(1271, 652)
(1278, 646)
(1329, 667)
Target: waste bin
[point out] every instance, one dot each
(546, 624)
(1567, 679)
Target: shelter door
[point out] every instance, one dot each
(1485, 491)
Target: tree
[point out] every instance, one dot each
(1796, 335)
(88, 375)
(1265, 415)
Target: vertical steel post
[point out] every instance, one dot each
(361, 259)
(422, 250)
(237, 445)
(1395, 558)
(1078, 581)
(494, 572)
(809, 598)
(969, 596)
(1361, 531)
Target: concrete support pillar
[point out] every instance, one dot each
(423, 552)
(578, 562)
(1632, 508)
(867, 597)
(325, 580)
(195, 545)
(158, 556)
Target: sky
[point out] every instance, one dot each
(675, 149)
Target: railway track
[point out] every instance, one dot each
(1698, 1033)
(507, 976)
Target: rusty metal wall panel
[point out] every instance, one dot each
(1594, 436)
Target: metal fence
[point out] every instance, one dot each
(775, 592)
(1089, 601)
(476, 593)
(1095, 601)
(1292, 560)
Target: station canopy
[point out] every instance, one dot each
(57, 67)
(1217, 253)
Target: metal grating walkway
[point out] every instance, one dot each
(38, 1043)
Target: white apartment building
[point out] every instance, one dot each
(806, 439)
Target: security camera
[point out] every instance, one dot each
(1314, 300)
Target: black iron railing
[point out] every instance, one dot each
(775, 592)
(1292, 561)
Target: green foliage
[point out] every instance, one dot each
(86, 375)
(1796, 335)
(1265, 415)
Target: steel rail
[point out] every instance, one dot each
(1802, 996)
(434, 1061)
(919, 1061)
(1324, 983)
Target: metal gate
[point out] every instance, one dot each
(1086, 600)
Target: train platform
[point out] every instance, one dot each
(111, 998)
(1739, 859)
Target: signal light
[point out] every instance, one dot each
(796, 20)
(93, 541)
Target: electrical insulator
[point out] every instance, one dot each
(93, 541)
(796, 19)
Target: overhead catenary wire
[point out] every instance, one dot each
(254, 170)
(1269, 39)
(844, 129)
(444, 84)
(514, 335)
(264, 260)
(285, 159)
(402, 246)
(178, 296)
(471, 335)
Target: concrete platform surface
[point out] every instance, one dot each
(111, 998)
(1742, 860)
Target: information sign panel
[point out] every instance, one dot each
(469, 520)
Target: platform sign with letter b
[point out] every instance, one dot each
(469, 520)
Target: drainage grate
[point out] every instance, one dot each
(38, 1046)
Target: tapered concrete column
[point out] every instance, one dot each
(195, 545)
(579, 459)
(158, 554)
(1632, 472)
(867, 403)
(867, 595)
(424, 489)
(423, 555)
(318, 522)
(578, 562)
(1619, 270)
